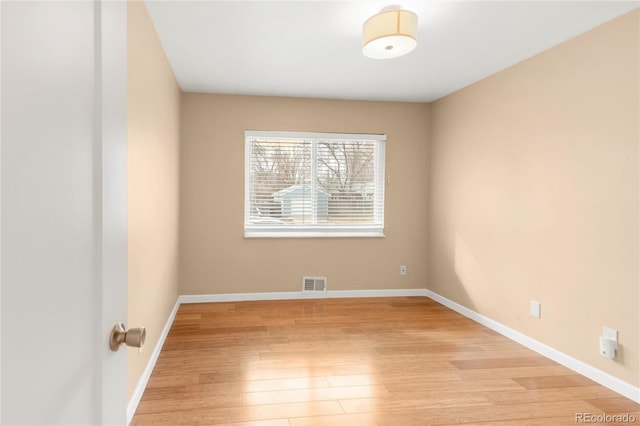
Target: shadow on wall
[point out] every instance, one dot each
(468, 271)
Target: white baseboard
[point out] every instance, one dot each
(144, 378)
(294, 295)
(598, 376)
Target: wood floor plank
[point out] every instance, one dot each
(158, 419)
(366, 405)
(171, 380)
(587, 393)
(295, 409)
(511, 372)
(554, 382)
(459, 386)
(456, 412)
(430, 370)
(495, 363)
(377, 361)
(316, 394)
(540, 421)
(338, 420)
(273, 422)
(287, 373)
(614, 404)
(312, 382)
(203, 401)
(424, 382)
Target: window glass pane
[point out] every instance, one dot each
(320, 185)
(278, 168)
(346, 175)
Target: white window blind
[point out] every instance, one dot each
(313, 184)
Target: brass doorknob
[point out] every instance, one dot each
(133, 337)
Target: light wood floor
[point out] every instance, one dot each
(375, 361)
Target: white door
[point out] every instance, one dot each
(63, 204)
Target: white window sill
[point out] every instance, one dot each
(313, 234)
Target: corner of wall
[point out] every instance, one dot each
(153, 186)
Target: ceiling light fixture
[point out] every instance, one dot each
(390, 33)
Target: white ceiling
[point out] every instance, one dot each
(313, 48)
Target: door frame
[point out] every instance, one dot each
(111, 183)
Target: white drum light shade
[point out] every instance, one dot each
(389, 34)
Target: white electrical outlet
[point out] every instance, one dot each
(534, 309)
(403, 269)
(610, 334)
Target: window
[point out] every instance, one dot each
(314, 185)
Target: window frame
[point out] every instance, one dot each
(318, 230)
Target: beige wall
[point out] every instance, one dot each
(153, 156)
(214, 255)
(534, 195)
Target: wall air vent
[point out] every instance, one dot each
(314, 284)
